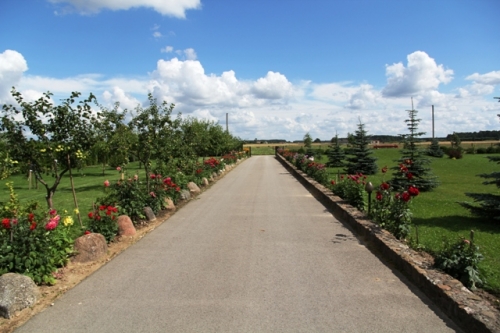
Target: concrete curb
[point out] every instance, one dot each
(469, 311)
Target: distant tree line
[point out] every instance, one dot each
(476, 136)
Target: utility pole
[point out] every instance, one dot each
(433, 121)
(498, 115)
(227, 122)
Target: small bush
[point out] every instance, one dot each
(460, 260)
(455, 153)
(351, 189)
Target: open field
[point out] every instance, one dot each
(268, 149)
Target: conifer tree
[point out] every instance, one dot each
(359, 159)
(336, 154)
(413, 168)
(434, 149)
(308, 145)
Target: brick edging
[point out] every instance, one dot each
(469, 311)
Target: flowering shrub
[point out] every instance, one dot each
(460, 260)
(351, 189)
(317, 171)
(33, 243)
(392, 212)
(129, 196)
(102, 220)
(162, 188)
(212, 165)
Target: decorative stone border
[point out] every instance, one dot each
(469, 311)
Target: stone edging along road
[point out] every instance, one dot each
(468, 310)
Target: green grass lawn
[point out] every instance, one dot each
(437, 213)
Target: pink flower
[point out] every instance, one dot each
(51, 225)
(152, 194)
(118, 168)
(152, 176)
(106, 183)
(136, 177)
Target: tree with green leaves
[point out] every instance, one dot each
(308, 144)
(413, 165)
(336, 154)
(359, 159)
(46, 137)
(434, 149)
(154, 127)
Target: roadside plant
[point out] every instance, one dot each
(460, 259)
(102, 220)
(351, 189)
(128, 195)
(32, 242)
(391, 210)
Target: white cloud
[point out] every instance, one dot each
(167, 49)
(421, 74)
(157, 34)
(176, 8)
(118, 95)
(273, 86)
(190, 54)
(491, 78)
(12, 67)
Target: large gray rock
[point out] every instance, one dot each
(185, 195)
(193, 188)
(16, 293)
(90, 247)
(125, 226)
(150, 216)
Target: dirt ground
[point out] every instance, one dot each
(69, 276)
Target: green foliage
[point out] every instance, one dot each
(413, 164)
(351, 189)
(434, 149)
(486, 205)
(460, 260)
(102, 220)
(392, 211)
(47, 137)
(360, 159)
(308, 145)
(336, 154)
(31, 242)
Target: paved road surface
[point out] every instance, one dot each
(255, 253)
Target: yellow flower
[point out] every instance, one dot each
(68, 220)
(76, 211)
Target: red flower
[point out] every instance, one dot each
(33, 226)
(102, 207)
(31, 217)
(332, 182)
(405, 196)
(378, 196)
(106, 183)
(6, 223)
(384, 169)
(413, 191)
(177, 188)
(408, 162)
(52, 212)
(409, 175)
(152, 176)
(90, 215)
(108, 212)
(403, 168)
(87, 232)
(384, 186)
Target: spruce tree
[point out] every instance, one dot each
(413, 166)
(434, 149)
(336, 154)
(360, 160)
(308, 145)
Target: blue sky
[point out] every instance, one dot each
(279, 68)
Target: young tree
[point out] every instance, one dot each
(359, 159)
(47, 137)
(434, 149)
(336, 154)
(308, 144)
(413, 164)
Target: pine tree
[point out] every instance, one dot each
(336, 154)
(361, 161)
(308, 145)
(434, 149)
(413, 168)
(488, 204)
